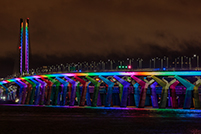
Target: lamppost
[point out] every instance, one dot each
(154, 63)
(175, 63)
(161, 63)
(182, 62)
(149, 63)
(167, 63)
(197, 57)
(189, 63)
(103, 65)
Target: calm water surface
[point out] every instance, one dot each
(19, 119)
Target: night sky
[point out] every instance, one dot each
(83, 30)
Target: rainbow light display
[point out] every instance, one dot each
(21, 45)
(165, 73)
(27, 46)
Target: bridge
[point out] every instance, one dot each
(159, 89)
(139, 89)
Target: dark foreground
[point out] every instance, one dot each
(49, 120)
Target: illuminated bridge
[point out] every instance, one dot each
(172, 89)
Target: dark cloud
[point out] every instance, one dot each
(104, 29)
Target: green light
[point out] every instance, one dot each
(122, 66)
(126, 66)
(119, 66)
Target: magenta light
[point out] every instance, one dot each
(129, 67)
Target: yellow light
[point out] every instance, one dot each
(17, 100)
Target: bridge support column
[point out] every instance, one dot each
(109, 91)
(55, 92)
(124, 96)
(84, 91)
(196, 94)
(1, 92)
(6, 91)
(78, 92)
(37, 93)
(165, 86)
(96, 90)
(23, 88)
(31, 92)
(154, 95)
(189, 90)
(173, 92)
(65, 85)
(48, 90)
(26, 95)
(73, 91)
(88, 94)
(143, 92)
(136, 94)
(43, 85)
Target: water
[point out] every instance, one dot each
(55, 119)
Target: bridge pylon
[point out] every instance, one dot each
(24, 47)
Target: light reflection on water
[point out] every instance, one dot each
(124, 112)
(75, 119)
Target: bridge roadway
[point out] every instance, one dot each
(73, 88)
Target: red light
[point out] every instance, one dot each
(129, 67)
(19, 47)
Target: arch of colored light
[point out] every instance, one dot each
(164, 73)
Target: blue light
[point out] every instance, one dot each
(164, 68)
(80, 70)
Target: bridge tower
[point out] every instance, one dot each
(24, 46)
(27, 46)
(21, 47)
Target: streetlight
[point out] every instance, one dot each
(161, 63)
(154, 63)
(189, 63)
(182, 62)
(197, 57)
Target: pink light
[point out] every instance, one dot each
(129, 67)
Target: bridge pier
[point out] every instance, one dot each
(88, 99)
(48, 90)
(96, 91)
(78, 92)
(124, 96)
(136, 94)
(109, 90)
(84, 91)
(55, 91)
(23, 87)
(154, 95)
(143, 92)
(37, 92)
(196, 94)
(6, 91)
(73, 90)
(32, 91)
(165, 86)
(42, 96)
(65, 86)
(173, 92)
(189, 90)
